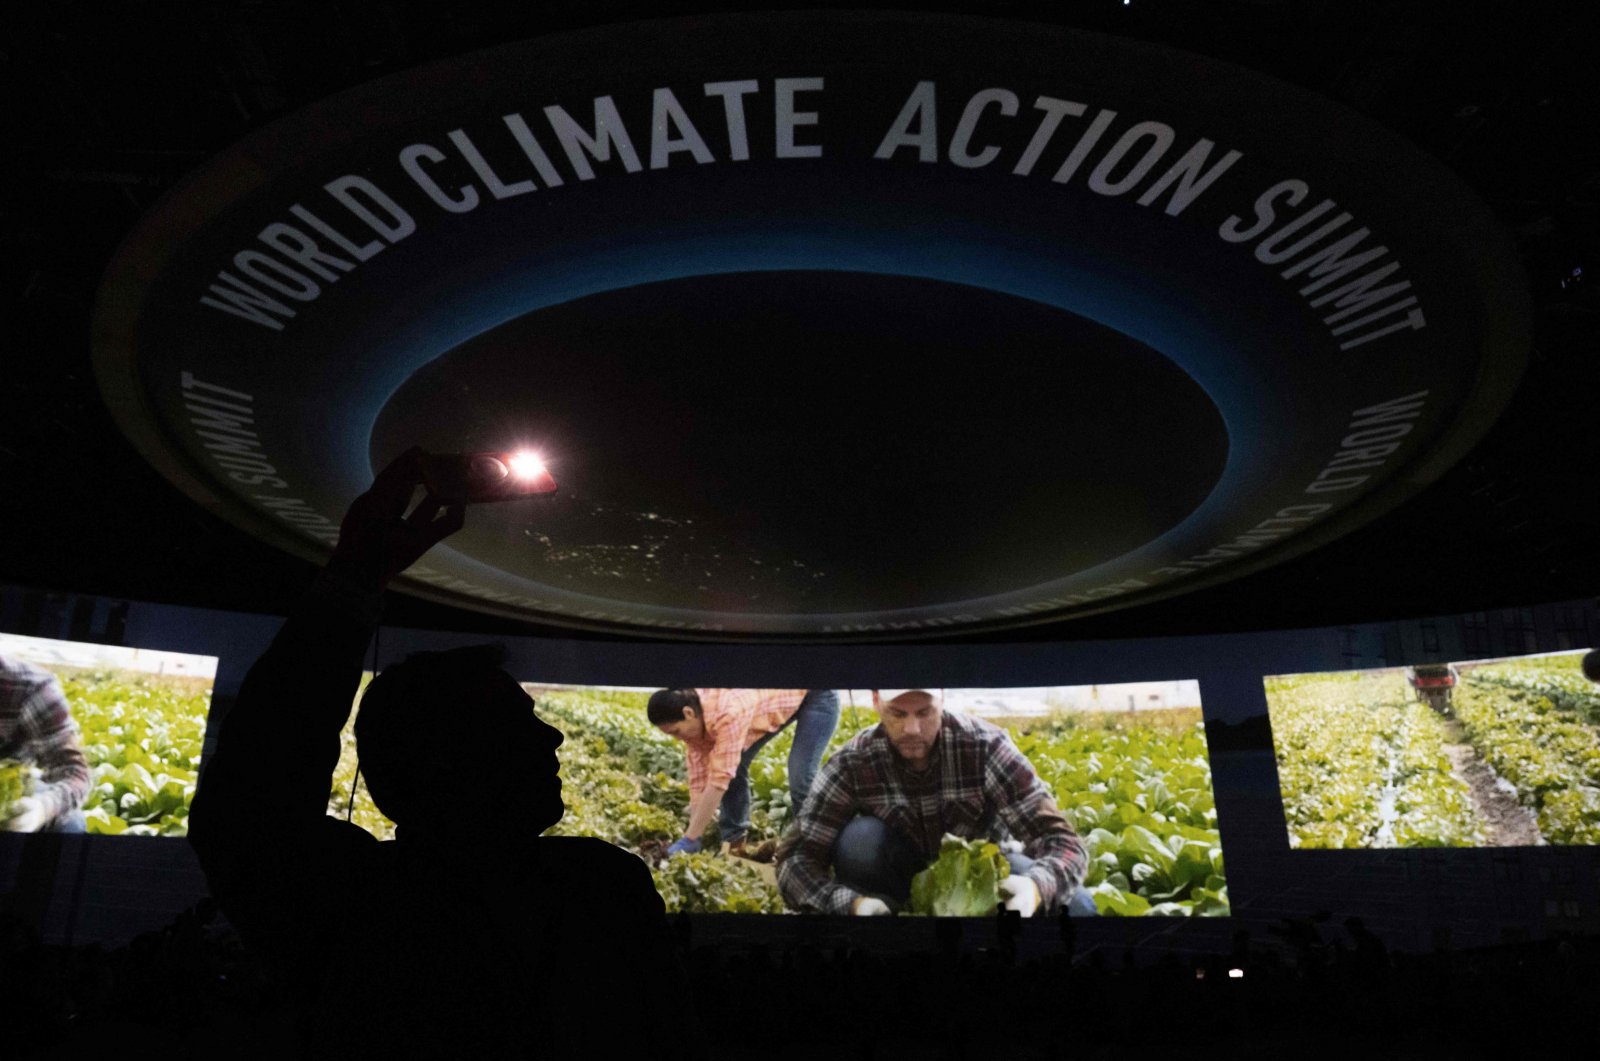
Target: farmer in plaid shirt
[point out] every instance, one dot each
(884, 801)
(722, 731)
(36, 728)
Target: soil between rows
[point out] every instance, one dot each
(1506, 822)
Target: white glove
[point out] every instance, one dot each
(1020, 894)
(870, 907)
(26, 815)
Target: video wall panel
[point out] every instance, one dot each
(1481, 753)
(104, 739)
(1126, 765)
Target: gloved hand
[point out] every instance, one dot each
(867, 906)
(25, 815)
(1020, 893)
(684, 846)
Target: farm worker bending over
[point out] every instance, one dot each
(37, 730)
(886, 799)
(722, 731)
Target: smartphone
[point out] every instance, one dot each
(476, 477)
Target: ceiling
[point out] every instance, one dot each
(110, 107)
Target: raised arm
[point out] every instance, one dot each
(259, 819)
(263, 796)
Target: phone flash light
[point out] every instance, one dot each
(491, 476)
(526, 465)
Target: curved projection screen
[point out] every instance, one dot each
(103, 739)
(823, 340)
(1487, 753)
(1127, 766)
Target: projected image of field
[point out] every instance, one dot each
(136, 720)
(1497, 753)
(1127, 764)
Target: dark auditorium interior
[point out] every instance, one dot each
(1197, 397)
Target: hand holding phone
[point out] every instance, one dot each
(470, 478)
(378, 539)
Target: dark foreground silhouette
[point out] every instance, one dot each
(469, 935)
(1309, 992)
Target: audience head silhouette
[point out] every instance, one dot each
(413, 711)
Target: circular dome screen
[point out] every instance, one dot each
(829, 326)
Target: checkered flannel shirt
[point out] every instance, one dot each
(37, 728)
(735, 719)
(979, 786)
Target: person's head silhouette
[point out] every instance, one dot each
(418, 716)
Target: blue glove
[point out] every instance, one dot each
(685, 846)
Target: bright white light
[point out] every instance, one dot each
(1235, 974)
(527, 465)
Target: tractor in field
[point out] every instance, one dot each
(1432, 682)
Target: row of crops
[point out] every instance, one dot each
(1535, 722)
(142, 735)
(1362, 764)
(1140, 794)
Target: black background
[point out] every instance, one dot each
(742, 404)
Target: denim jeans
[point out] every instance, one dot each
(72, 823)
(814, 722)
(870, 857)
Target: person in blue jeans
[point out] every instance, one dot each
(723, 730)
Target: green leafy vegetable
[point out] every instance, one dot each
(16, 780)
(142, 736)
(964, 881)
(707, 883)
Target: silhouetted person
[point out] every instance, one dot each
(469, 935)
(948, 932)
(1371, 958)
(1008, 929)
(1067, 933)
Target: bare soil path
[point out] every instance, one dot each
(1506, 823)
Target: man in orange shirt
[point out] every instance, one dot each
(723, 730)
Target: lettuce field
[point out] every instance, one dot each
(1140, 794)
(1516, 762)
(346, 790)
(142, 735)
